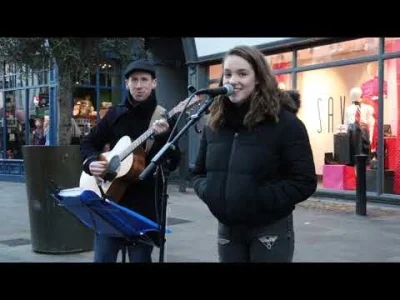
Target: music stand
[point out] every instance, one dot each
(107, 217)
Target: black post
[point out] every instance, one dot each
(163, 210)
(361, 191)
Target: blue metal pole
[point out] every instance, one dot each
(294, 73)
(380, 146)
(124, 93)
(98, 94)
(26, 115)
(4, 127)
(53, 110)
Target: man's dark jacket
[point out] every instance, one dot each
(132, 119)
(254, 177)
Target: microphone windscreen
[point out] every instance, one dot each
(229, 89)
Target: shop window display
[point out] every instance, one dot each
(39, 119)
(13, 109)
(338, 51)
(279, 62)
(14, 135)
(85, 103)
(215, 71)
(85, 97)
(359, 123)
(84, 112)
(341, 113)
(34, 88)
(340, 109)
(391, 178)
(331, 99)
(284, 81)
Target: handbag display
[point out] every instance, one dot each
(341, 148)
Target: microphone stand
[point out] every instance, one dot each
(156, 163)
(163, 202)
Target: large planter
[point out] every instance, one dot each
(53, 229)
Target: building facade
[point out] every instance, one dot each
(328, 72)
(29, 109)
(29, 106)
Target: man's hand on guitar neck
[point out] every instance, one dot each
(160, 126)
(98, 168)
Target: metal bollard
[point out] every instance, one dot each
(361, 190)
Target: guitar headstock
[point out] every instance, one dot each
(193, 104)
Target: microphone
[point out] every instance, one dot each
(227, 90)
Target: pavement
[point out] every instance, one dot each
(325, 231)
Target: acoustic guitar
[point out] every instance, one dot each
(126, 160)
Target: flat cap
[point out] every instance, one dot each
(140, 65)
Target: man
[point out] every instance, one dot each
(132, 119)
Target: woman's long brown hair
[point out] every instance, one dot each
(264, 100)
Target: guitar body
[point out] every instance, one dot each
(127, 173)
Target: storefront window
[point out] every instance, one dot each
(39, 116)
(84, 108)
(14, 129)
(391, 176)
(88, 77)
(1, 124)
(330, 100)
(392, 45)
(109, 74)
(338, 51)
(14, 77)
(109, 98)
(14, 137)
(280, 61)
(86, 100)
(105, 76)
(284, 81)
(215, 72)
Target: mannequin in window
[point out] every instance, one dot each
(370, 91)
(359, 117)
(360, 112)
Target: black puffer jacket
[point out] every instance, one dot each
(254, 178)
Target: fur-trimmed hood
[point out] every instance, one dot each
(291, 101)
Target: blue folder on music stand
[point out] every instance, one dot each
(105, 216)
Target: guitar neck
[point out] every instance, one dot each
(171, 113)
(142, 138)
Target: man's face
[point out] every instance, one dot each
(140, 85)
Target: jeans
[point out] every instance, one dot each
(272, 243)
(106, 250)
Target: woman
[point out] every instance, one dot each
(255, 162)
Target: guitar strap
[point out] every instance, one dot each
(158, 113)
